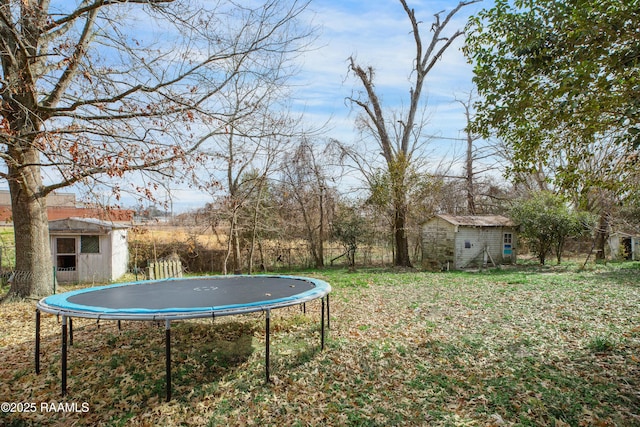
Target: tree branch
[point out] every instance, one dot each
(92, 7)
(70, 72)
(376, 115)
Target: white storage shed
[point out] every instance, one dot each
(624, 246)
(458, 242)
(88, 250)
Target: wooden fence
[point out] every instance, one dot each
(164, 269)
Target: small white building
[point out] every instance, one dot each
(88, 250)
(624, 246)
(458, 242)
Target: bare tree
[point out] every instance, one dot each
(399, 141)
(87, 97)
(307, 185)
(469, 175)
(260, 127)
(480, 158)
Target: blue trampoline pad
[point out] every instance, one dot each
(199, 295)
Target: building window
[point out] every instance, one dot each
(508, 238)
(467, 244)
(66, 253)
(66, 245)
(66, 263)
(90, 244)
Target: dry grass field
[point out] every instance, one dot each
(165, 234)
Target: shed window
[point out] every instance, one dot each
(66, 253)
(467, 244)
(90, 244)
(66, 245)
(66, 263)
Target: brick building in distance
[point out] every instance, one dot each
(64, 205)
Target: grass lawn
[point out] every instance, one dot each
(529, 346)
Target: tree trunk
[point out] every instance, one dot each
(320, 253)
(237, 257)
(471, 204)
(233, 249)
(403, 259)
(252, 247)
(559, 250)
(601, 237)
(254, 226)
(19, 132)
(34, 268)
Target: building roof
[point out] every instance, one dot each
(57, 199)
(108, 215)
(61, 212)
(478, 220)
(63, 205)
(83, 225)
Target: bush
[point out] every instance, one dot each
(547, 221)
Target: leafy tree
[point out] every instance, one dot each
(547, 222)
(89, 98)
(556, 78)
(560, 85)
(399, 135)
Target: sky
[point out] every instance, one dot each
(376, 33)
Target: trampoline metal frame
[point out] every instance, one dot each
(68, 315)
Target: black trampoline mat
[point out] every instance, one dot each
(194, 293)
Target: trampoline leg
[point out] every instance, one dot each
(70, 331)
(328, 314)
(267, 349)
(322, 327)
(37, 341)
(167, 334)
(64, 356)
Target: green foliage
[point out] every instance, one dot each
(380, 189)
(601, 343)
(556, 78)
(350, 229)
(546, 222)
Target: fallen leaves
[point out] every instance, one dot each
(404, 349)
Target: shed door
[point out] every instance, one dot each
(66, 259)
(507, 247)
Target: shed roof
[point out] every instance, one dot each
(478, 220)
(83, 225)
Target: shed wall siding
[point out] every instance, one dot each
(95, 267)
(617, 251)
(438, 237)
(490, 238)
(107, 265)
(119, 254)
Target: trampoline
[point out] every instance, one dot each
(170, 300)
